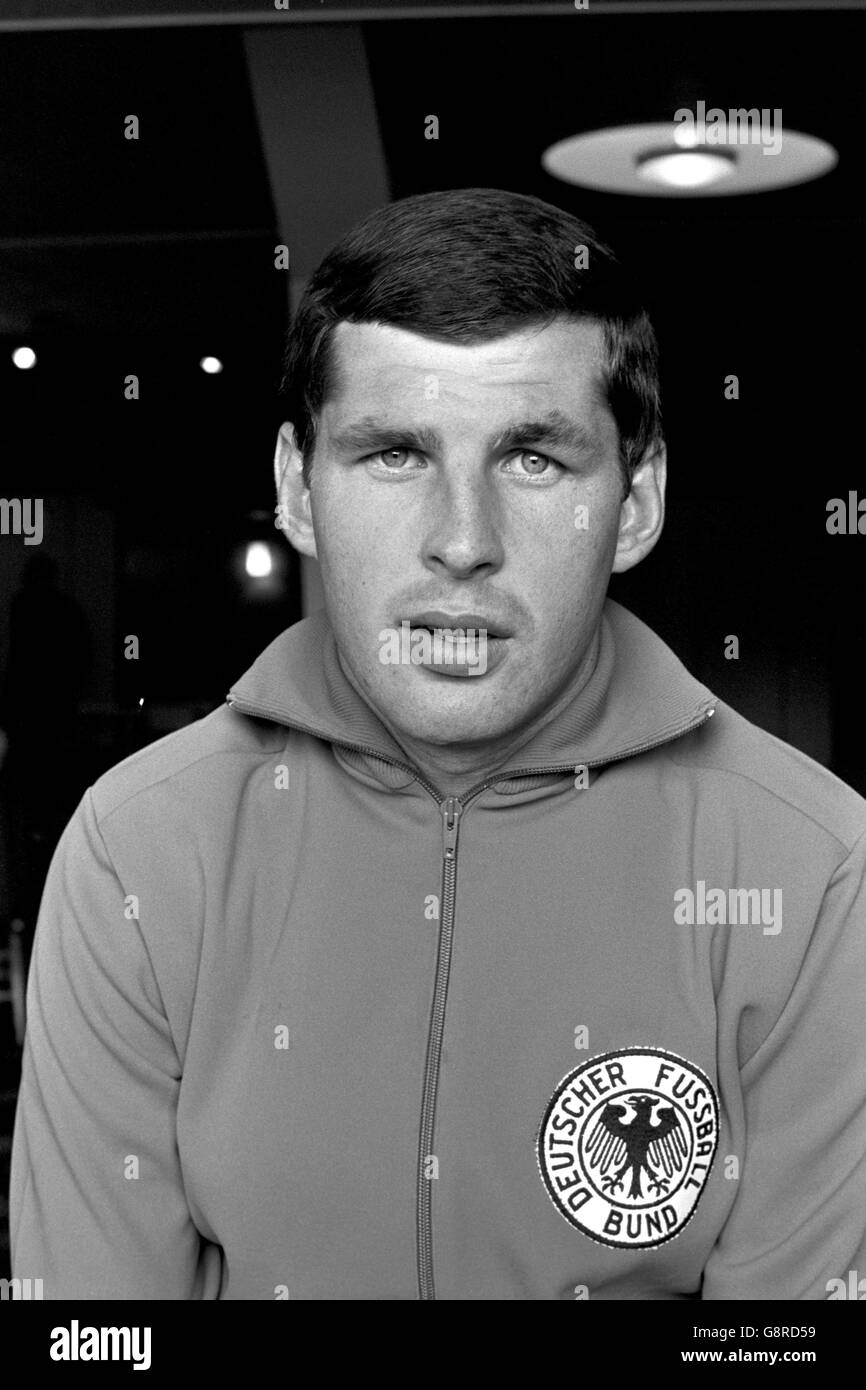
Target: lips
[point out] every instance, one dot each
(434, 618)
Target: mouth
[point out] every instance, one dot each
(458, 644)
(457, 624)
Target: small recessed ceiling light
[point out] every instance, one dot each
(686, 168)
(671, 160)
(211, 365)
(24, 357)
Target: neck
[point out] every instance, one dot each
(454, 768)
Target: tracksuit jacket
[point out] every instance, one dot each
(302, 1026)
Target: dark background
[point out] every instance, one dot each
(121, 257)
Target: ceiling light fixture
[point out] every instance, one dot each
(667, 160)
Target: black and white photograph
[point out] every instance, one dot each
(432, 750)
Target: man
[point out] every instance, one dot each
(472, 950)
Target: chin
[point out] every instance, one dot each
(454, 724)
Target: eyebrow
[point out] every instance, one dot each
(553, 429)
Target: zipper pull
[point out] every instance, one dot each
(451, 809)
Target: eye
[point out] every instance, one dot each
(393, 458)
(538, 463)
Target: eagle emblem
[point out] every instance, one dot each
(627, 1143)
(655, 1145)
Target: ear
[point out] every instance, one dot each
(294, 515)
(642, 514)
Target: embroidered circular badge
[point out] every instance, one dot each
(626, 1145)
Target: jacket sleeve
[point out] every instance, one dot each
(799, 1220)
(97, 1204)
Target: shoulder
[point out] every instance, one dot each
(194, 765)
(754, 769)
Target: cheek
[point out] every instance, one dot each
(581, 539)
(353, 529)
(595, 527)
(342, 543)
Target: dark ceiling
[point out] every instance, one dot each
(175, 229)
(87, 217)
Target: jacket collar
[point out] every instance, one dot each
(638, 696)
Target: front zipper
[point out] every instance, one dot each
(451, 809)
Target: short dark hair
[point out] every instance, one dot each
(466, 266)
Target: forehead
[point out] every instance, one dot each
(558, 366)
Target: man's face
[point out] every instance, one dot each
(428, 509)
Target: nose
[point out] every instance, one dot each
(463, 536)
